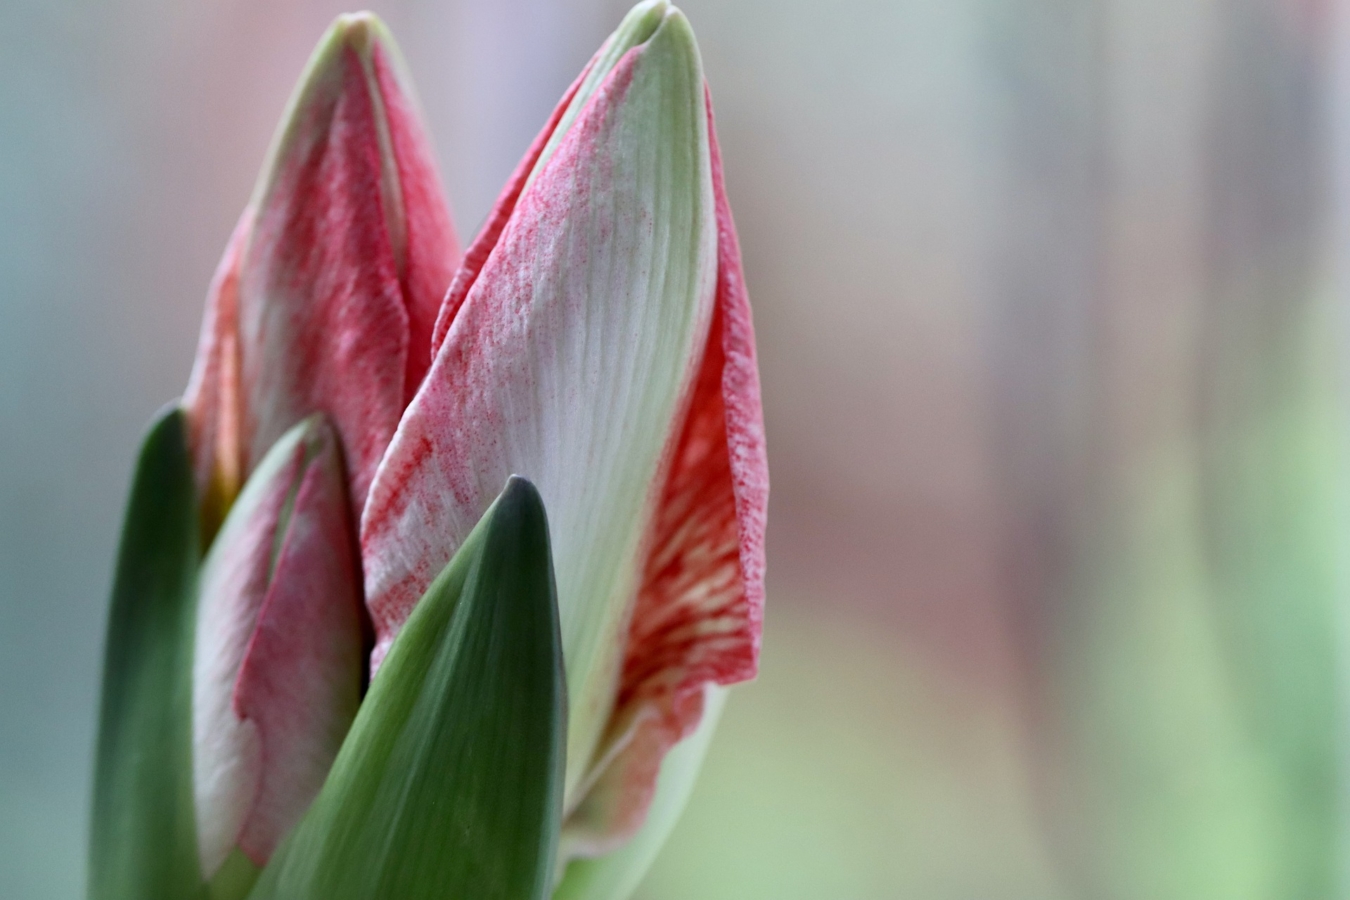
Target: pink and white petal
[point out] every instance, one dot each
(486, 239)
(211, 400)
(325, 321)
(699, 610)
(571, 362)
(636, 28)
(299, 684)
(279, 591)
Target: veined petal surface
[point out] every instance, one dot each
(278, 666)
(700, 606)
(652, 621)
(571, 361)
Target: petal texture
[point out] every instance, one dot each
(430, 251)
(571, 361)
(699, 609)
(328, 293)
(637, 27)
(278, 664)
(486, 239)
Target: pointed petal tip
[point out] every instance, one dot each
(675, 35)
(644, 24)
(318, 435)
(642, 20)
(645, 20)
(359, 30)
(350, 253)
(648, 23)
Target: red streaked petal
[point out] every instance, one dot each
(212, 396)
(322, 319)
(699, 611)
(570, 362)
(278, 653)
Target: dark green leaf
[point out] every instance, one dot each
(449, 784)
(143, 843)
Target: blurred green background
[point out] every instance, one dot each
(1051, 310)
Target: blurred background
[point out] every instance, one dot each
(1051, 307)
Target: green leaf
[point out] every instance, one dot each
(143, 843)
(449, 784)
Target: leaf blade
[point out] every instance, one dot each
(450, 781)
(143, 836)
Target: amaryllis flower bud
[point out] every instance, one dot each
(598, 341)
(327, 295)
(278, 659)
(594, 354)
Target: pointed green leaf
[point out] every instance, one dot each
(143, 842)
(449, 784)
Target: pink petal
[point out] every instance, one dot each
(278, 664)
(441, 472)
(300, 681)
(699, 610)
(347, 258)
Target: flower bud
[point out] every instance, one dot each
(598, 341)
(277, 667)
(328, 292)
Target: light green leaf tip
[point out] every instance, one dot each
(449, 784)
(143, 842)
